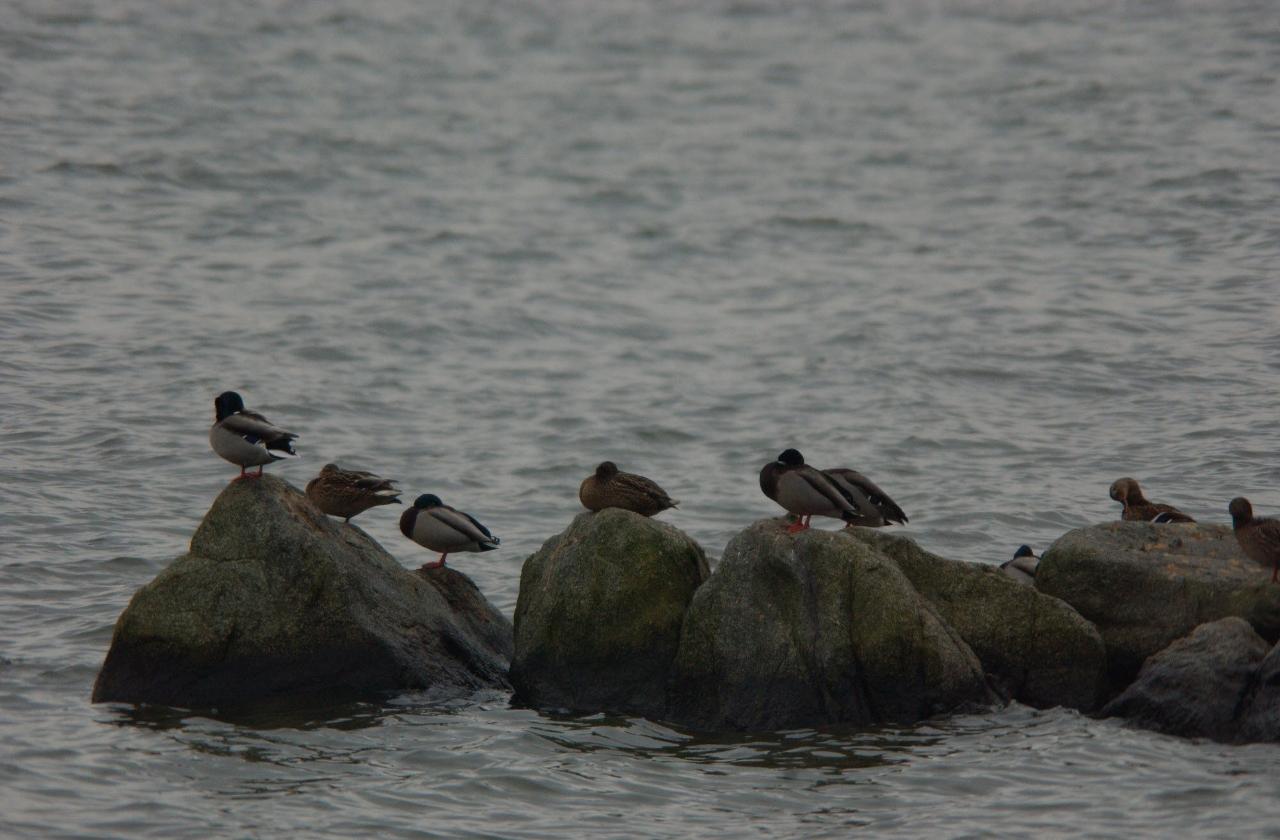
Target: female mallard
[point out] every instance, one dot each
(345, 493)
(246, 438)
(839, 493)
(1022, 567)
(609, 487)
(1136, 508)
(433, 524)
(1258, 538)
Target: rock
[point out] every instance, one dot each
(599, 614)
(1196, 686)
(1260, 720)
(1037, 648)
(1146, 585)
(275, 599)
(811, 629)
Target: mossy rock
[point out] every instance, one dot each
(1037, 648)
(599, 613)
(1144, 586)
(276, 600)
(815, 628)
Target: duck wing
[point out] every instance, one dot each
(463, 523)
(862, 491)
(643, 488)
(371, 482)
(804, 490)
(255, 428)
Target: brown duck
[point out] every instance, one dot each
(1136, 507)
(345, 493)
(610, 487)
(1258, 538)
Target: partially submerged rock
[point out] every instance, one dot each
(1199, 686)
(814, 628)
(275, 599)
(1038, 649)
(1146, 585)
(599, 613)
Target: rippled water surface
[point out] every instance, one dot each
(994, 254)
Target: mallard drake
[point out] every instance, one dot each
(1022, 566)
(1136, 508)
(433, 524)
(345, 493)
(246, 438)
(1259, 538)
(875, 507)
(841, 494)
(609, 487)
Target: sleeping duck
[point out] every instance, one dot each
(433, 524)
(345, 493)
(246, 438)
(609, 487)
(1022, 567)
(839, 493)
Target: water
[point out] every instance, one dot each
(995, 255)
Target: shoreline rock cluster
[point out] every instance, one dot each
(793, 630)
(1167, 625)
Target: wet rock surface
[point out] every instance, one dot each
(274, 599)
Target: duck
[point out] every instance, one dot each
(345, 493)
(246, 438)
(433, 524)
(609, 487)
(1022, 566)
(1136, 508)
(875, 506)
(1259, 538)
(841, 494)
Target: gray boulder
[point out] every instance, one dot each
(1037, 648)
(275, 599)
(814, 628)
(599, 613)
(1260, 718)
(1144, 585)
(1198, 686)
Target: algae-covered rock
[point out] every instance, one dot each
(813, 628)
(599, 613)
(275, 599)
(1146, 585)
(1197, 686)
(1039, 649)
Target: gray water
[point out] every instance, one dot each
(995, 255)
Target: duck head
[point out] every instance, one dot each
(1241, 511)
(427, 500)
(1126, 490)
(791, 457)
(606, 470)
(227, 403)
(1023, 551)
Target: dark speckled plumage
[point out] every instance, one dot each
(608, 487)
(1259, 538)
(1136, 508)
(345, 493)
